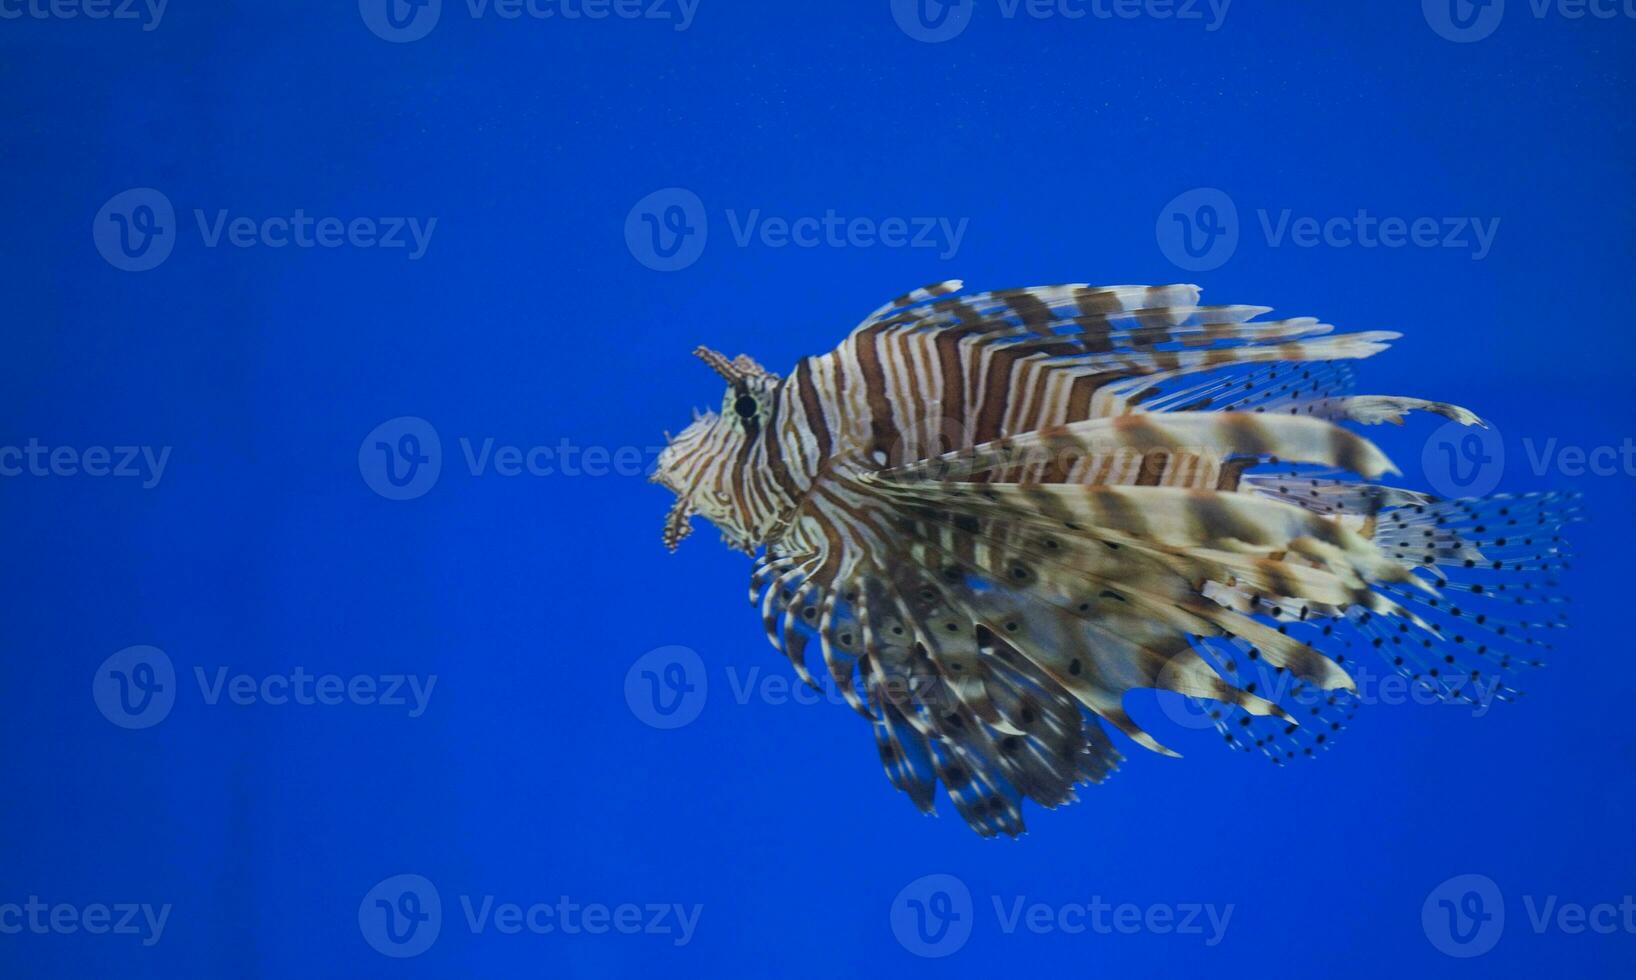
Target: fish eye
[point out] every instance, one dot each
(746, 407)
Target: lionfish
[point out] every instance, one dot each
(999, 513)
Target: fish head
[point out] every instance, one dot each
(704, 464)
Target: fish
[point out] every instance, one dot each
(984, 519)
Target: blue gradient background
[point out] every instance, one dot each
(529, 321)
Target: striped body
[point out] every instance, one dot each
(997, 514)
